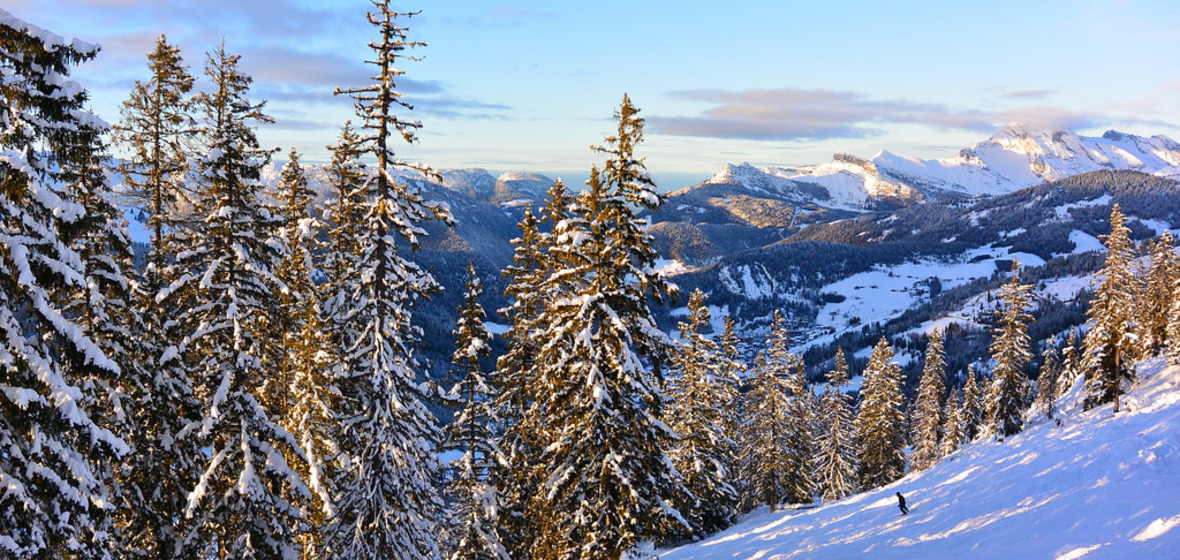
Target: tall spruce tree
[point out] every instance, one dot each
(880, 439)
(105, 308)
(608, 480)
(388, 504)
(1048, 377)
(1110, 344)
(303, 391)
(954, 432)
(702, 395)
(157, 128)
(515, 476)
(475, 533)
(52, 452)
(1070, 363)
(1154, 304)
(836, 462)
(1172, 350)
(777, 450)
(766, 408)
(927, 413)
(1011, 352)
(344, 214)
(247, 501)
(973, 405)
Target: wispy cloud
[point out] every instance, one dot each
(817, 114)
(798, 114)
(1029, 94)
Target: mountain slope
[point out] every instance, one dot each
(1097, 486)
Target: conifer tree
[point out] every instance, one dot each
(973, 405)
(1048, 377)
(701, 395)
(248, 498)
(880, 440)
(156, 128)
(153, 481)
(52, 452)
(475, 533)
(1010, 350)
(1172, 351)
(766, 408)
(1109, 346)
(344, 215)
(515, 477)
(778, 452)
(836, 462)
(147, 490)
(609, 481)
(388, 504)
(927, 416)
(303, 390)
(954, 433)
(1070, 363)
(1154, 305)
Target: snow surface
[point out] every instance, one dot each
(1097, 486)
(886, 292)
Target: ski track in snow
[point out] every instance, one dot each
(1097, 486)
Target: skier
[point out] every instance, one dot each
(901, 504)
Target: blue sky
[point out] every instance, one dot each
(529, 85)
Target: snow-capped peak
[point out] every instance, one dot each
(1015, 157)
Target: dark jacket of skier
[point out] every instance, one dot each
(901, 504)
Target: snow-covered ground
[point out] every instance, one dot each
(886, 292)
(1097, 486)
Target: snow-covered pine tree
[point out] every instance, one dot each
(302, 392)
(1172, 350)
(954, 433)
(156, 128)
(344, 214)
(1011, 352)
(927, 412)
(880, 440)
(798, 440)
(777, 446)
(1154, 304)
(608, 480)
(1047, 378)
(515, 476)
(1070, 367)
(55, 502)
(248, 498)
(702, 395)
(475, 533)
(973, 405)
(518, 476)
(836, 464)
(154, 480)
(388, 504)
(1109, 346)
(766, 408)
(105, 308)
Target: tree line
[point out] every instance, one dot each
(250, 388)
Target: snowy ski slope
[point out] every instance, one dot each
(1098, 486)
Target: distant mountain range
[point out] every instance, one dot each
(851, 249)
(704, 219)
